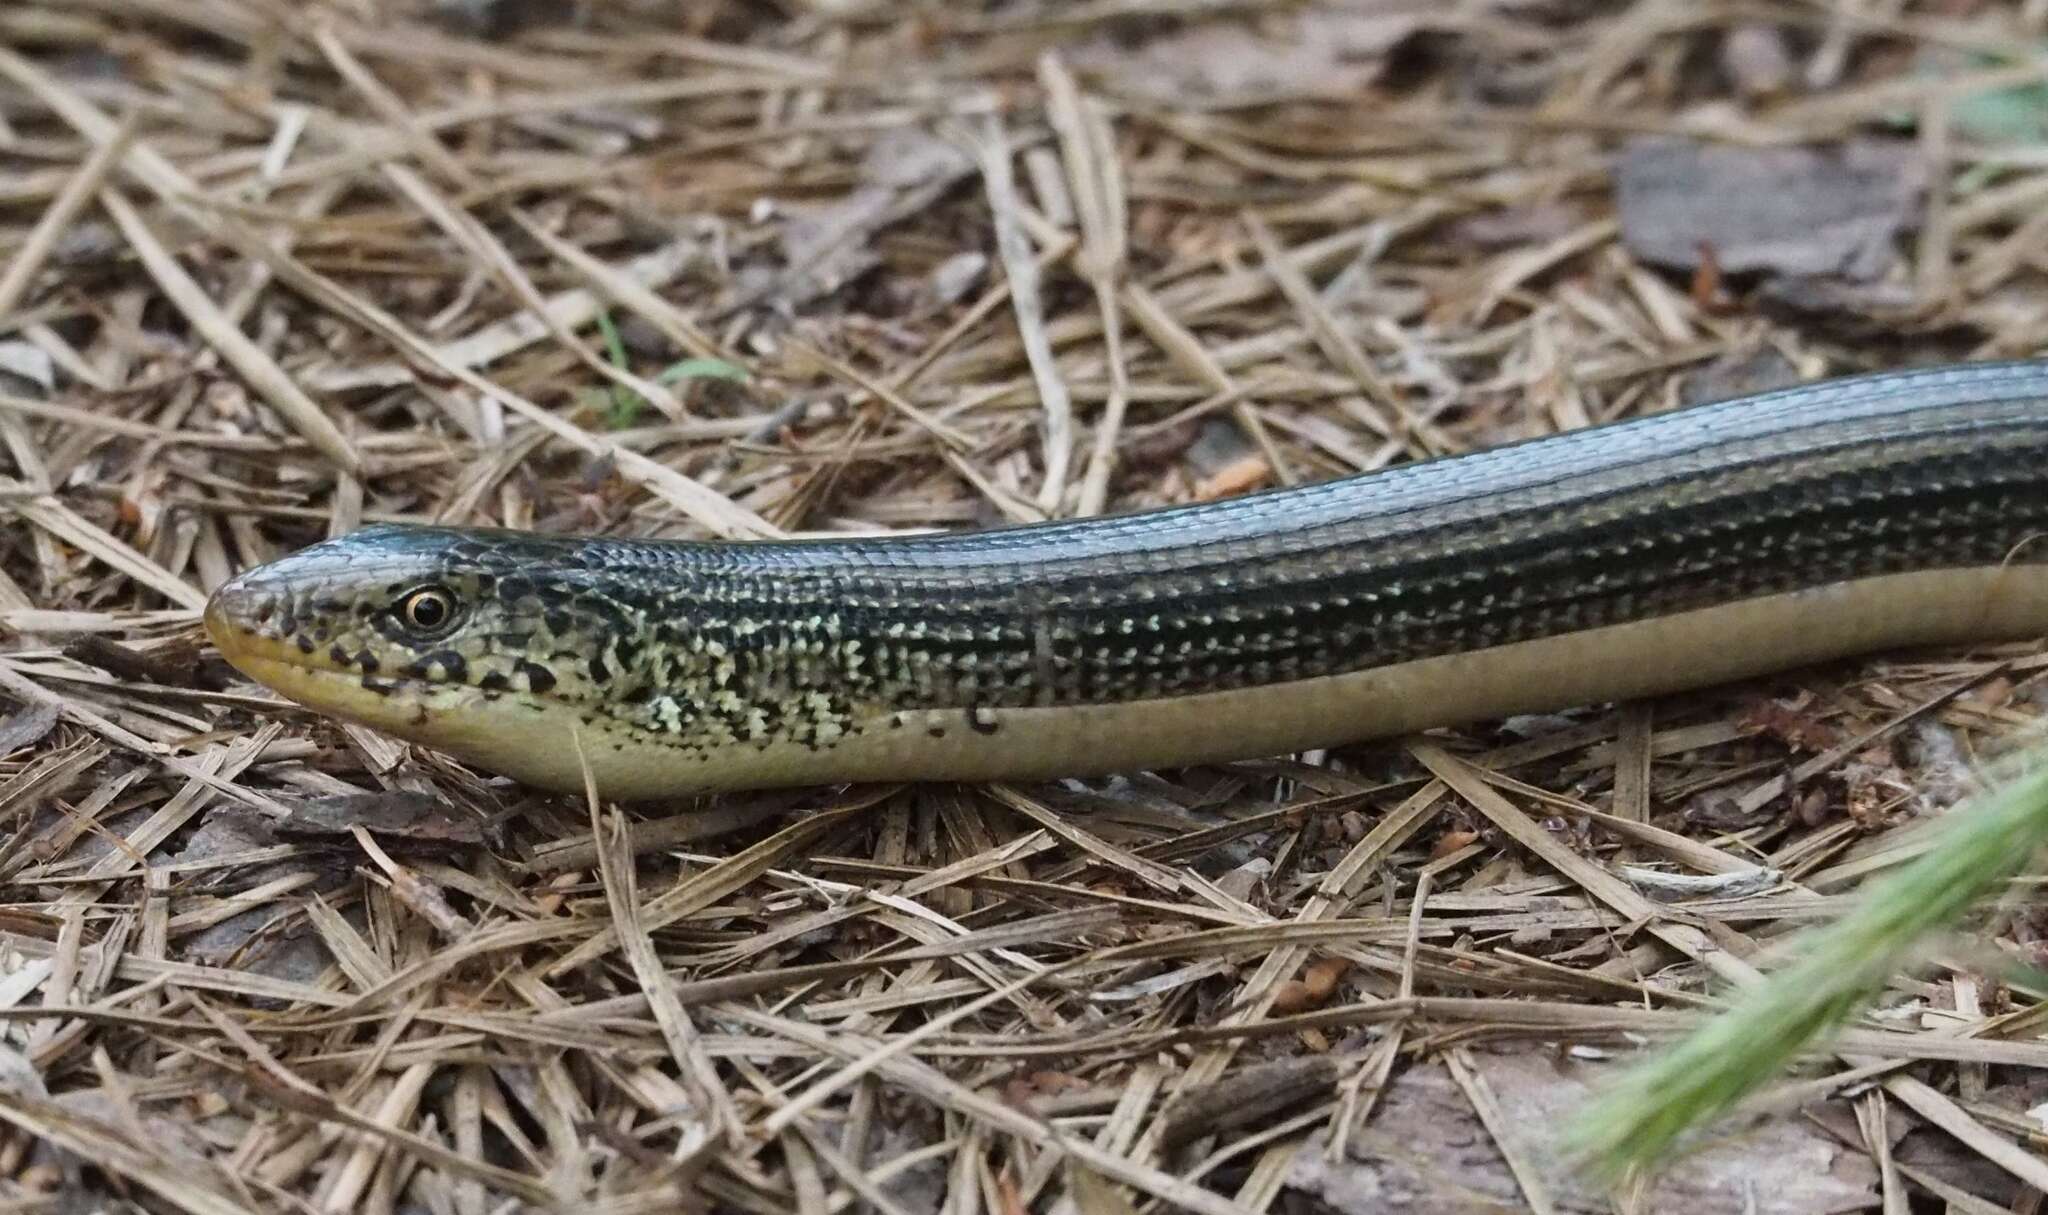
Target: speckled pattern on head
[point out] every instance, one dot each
(702, 653)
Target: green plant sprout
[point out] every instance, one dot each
(625, 404)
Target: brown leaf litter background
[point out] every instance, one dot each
(269, 271)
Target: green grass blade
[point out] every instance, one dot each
(702, 369)
(625, 404)
(1644, 1114)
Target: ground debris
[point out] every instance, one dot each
(901, 268)
(1319, 46)
(177, 665)
(416, 821)
(27, 727)
(1757, 59)
(1739, 374)
(1253, 1094)
(825, 247)
(1429, 1154)
(1824, 213)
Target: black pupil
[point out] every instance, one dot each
(428, 611)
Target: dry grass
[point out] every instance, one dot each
(270, 271)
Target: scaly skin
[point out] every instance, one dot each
(1111, 643)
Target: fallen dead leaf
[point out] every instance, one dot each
(1828, 212)
(27, 727)
(1738, 373)
(1791, 725)
(1451, 841)
(1318, 982)
(1241, 475)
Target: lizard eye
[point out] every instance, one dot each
(428, 611)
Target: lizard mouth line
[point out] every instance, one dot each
(249, 643)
